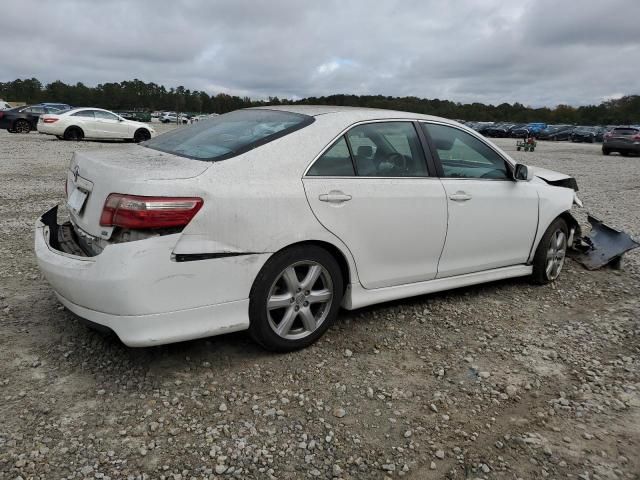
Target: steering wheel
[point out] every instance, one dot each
(394, 163)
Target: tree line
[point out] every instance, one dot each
(138, 95)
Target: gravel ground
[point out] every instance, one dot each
(504, 380)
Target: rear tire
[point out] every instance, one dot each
(74, 134)
(22, 126)
(606, 151)
(295, 298)
(141, 135)
(551, 253)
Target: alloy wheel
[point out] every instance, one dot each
(22, 127)
(556, 254)
(299, 300)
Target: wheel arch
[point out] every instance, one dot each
(571, 222)
(73, 127)
(335, 252)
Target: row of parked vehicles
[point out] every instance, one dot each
(622, 139)
(68, 123)
(542, 131)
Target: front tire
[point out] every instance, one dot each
(141, 135)
(551, 253)
(295, 298)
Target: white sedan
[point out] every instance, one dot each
(94, 123)
(271, 219)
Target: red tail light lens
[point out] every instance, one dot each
(1, 114)
(49, 120)
(137, 212)
(636, 137)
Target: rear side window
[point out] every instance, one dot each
(378, 149)
(335, 162)
(228, 135)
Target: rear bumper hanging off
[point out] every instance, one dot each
(605, 245)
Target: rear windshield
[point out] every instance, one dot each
(625, 131)
(228, 135)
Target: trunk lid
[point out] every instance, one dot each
(135, 170)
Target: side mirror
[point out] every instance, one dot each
(522, 173)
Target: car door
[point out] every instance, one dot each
(85, 119)
(372, 190)
(492, 219)
(110, 125)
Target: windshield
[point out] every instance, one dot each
(228, 135)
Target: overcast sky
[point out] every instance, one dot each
(538, 52)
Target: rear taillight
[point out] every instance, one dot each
(49, 120)
(636, 137)
(137, 212)
(1, 114)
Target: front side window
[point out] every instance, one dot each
(228, 135)
(387, 149)
(84, 113)
(464, 156)
(105, 115)
(335, 162)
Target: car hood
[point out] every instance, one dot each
(556, 179)
(549, 175)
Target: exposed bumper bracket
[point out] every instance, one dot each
(604, 246)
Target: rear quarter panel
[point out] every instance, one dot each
(256, 203)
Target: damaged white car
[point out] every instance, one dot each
(271, 219)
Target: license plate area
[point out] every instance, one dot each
(76, 200)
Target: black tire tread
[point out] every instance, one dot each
(539, 275)
(259, 328)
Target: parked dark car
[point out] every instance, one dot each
(23, 119)
(498, 130)
(556, 132)
(588, 134)
(625, 140)
(520, 132)
(530, 129)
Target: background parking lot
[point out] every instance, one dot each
(503, 380)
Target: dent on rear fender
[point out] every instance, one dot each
(198, 244)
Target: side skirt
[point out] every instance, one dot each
(358, 297)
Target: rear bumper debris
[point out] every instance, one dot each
(603, 246)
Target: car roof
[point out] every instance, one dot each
(358, 113)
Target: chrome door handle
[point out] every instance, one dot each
(334, 197)
(460, 197)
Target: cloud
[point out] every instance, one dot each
(536, 52)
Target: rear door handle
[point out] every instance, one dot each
(334, 196)
(460, 197)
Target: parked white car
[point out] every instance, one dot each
(173, 118)
(94, 123)
(271, 219)
(4, 105)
